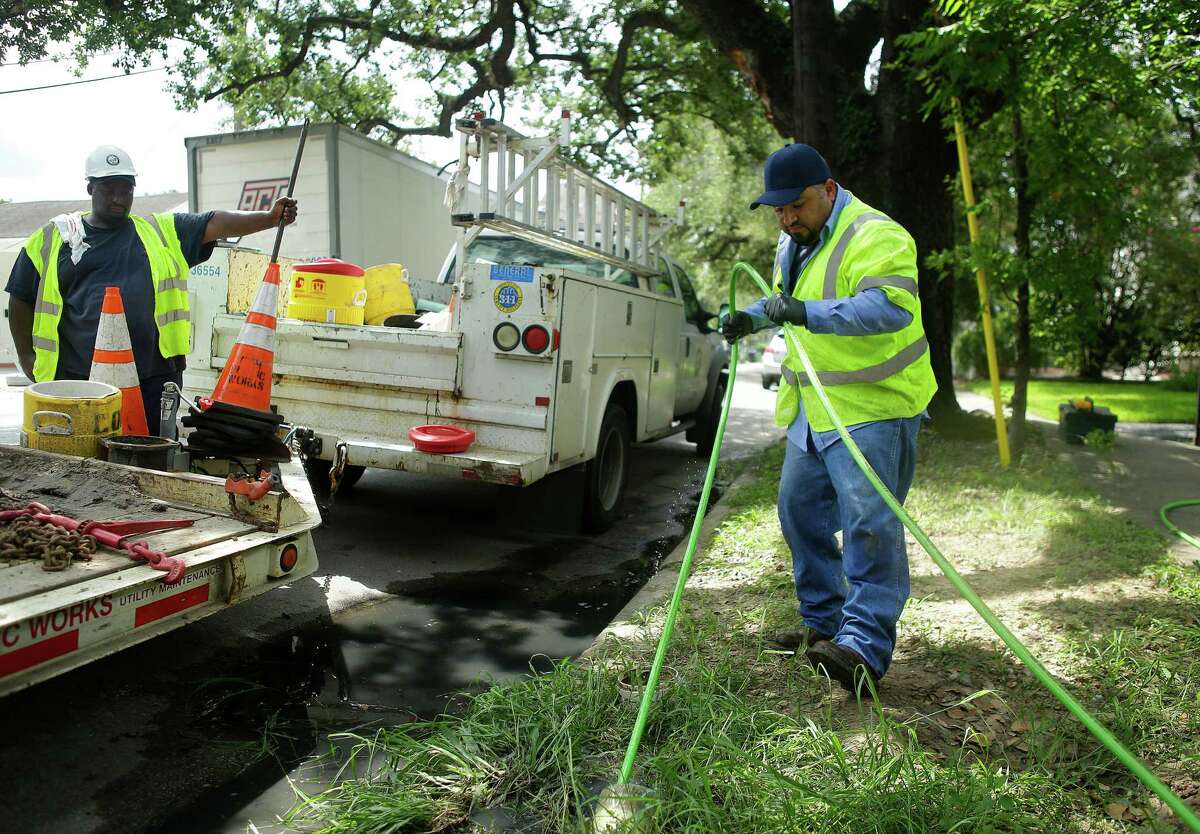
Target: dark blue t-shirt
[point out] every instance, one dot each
(116, 258)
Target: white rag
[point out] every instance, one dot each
(456, 187)
(70, 226)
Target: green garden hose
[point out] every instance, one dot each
(1166, 508)
(1043, 676)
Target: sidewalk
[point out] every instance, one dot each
(1140, 475)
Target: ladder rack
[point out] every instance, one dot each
(528, 189)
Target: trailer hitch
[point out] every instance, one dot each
(252, 489)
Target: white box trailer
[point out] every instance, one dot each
(9, 249)
(361, 200)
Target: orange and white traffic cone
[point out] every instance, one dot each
(245, 380)
(112, 362)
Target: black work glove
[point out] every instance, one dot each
(736, 325)
(782, 309)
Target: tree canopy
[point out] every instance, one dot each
(1082, 143)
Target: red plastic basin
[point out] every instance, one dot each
(443, 440)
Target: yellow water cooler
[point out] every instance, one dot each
(330, 290)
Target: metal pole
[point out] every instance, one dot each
(989, 336)
(291, 188)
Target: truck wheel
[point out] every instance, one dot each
(706, 426)
(767, 382)
(318, 474)
(607, 472)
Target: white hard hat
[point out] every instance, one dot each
(108, 161)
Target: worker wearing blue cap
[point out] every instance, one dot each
(846, 275)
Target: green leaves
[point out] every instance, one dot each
(1100, 165)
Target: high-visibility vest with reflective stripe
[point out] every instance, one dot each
(878, 377)
(168, 272)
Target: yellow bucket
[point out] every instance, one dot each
(388, 293)
(329, 290)
(70, 416)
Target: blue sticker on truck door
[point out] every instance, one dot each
(524, 274)
(507, 297)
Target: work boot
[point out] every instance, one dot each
(795, 639)
(841, 664)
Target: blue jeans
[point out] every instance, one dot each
(857, 594)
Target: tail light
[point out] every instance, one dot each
(535, 338)
(285, 561)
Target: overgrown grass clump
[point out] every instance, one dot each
(715, 759)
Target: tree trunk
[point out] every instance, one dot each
(1020, 397)
(916, 159)
(812, 43)
(1092, 365)
(1016, 427)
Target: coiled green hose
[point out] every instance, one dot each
(1166, 508)
(1047, 680)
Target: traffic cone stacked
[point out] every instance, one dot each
(112, 363)
(237, 420)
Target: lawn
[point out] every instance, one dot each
(744, 738)
(1132, 402)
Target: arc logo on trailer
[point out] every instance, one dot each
(44, 637)
(507, 297)
(260, 195)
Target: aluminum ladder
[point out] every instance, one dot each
(528, 189)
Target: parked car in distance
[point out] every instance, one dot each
(772, 361)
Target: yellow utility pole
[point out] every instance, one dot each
(989, 335)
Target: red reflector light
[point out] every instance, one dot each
(541, 401)
(556, 334)
(288, 557)
(536, 338)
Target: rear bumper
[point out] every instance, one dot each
(496, 466)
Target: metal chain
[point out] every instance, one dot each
(56, 548)
(340, 456)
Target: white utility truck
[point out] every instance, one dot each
(569, 336)
(222, 549)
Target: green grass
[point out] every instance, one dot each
(1132, 402)
(740, 740)
(715, 758)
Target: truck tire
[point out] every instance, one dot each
(706, 426)
(607, 473)
(318, 474)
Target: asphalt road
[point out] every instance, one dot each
(426, 587)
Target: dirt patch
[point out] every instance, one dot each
(77, 487)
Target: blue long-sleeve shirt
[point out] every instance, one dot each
(862, 314)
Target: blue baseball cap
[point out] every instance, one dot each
(788, 172)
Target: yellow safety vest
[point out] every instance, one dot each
(878, 377)
(168, 272)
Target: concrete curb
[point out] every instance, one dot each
(658, 590)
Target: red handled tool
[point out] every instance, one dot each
(115, 535)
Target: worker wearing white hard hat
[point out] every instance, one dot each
(108, 161)
(57, 284)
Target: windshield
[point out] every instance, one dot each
(517, 252)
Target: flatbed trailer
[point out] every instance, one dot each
(51, 622)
